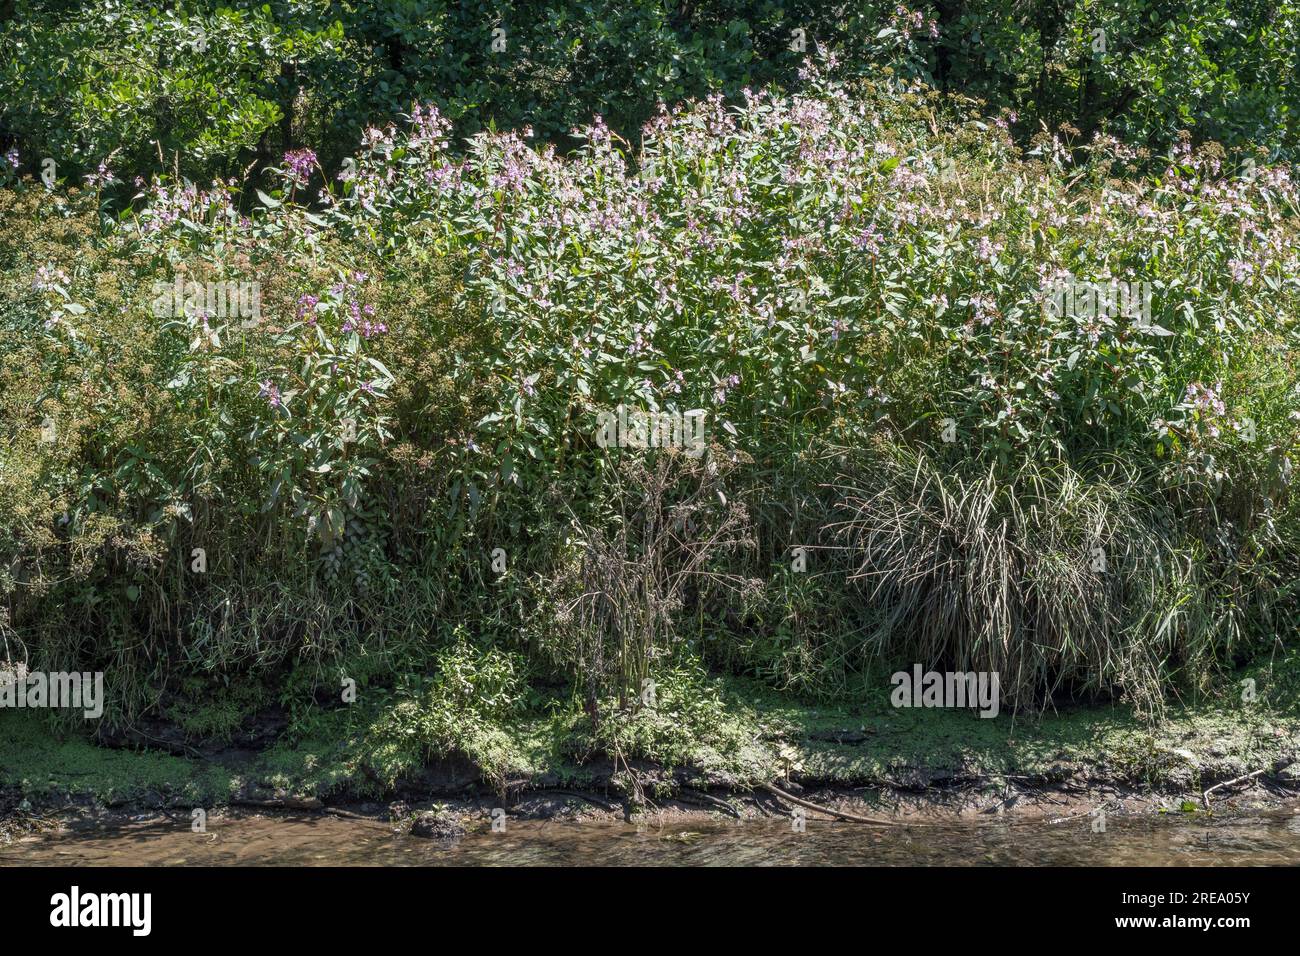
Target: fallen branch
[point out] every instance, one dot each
(1205, 797)
(1087, 811)
(706, 799)
(280, 803)
(594, 801)
(362, 819)
(838, 814)
(347, 814)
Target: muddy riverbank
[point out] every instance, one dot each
(447, 813)
(758, 758)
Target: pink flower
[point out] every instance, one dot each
(299, 164)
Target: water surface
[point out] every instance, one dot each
(1261, 839)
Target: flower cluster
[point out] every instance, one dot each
(1205, 399)
(802, 249)
(101, 177)
(908, 22)
(169, 206)
(298, 165)
(48, 277)
(271, 392)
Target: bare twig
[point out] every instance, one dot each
(1205, 797)
(1086, 812)
(839, 814)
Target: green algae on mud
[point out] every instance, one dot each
(749, 736)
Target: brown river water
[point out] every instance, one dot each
(1268, 838)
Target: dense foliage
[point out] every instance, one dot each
(851, 282)
(212, 87)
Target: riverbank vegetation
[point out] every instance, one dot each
(382, 504)
(727, 736)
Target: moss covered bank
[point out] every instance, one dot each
(706, 745)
